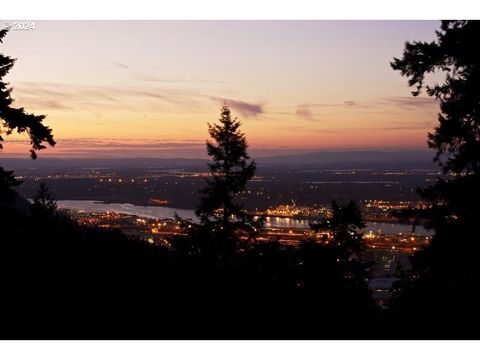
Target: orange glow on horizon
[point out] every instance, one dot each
(128, 97)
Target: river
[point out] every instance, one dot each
(160, 212)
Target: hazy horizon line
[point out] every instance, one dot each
(257, 153)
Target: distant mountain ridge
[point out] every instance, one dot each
(364, 158)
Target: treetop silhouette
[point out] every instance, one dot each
(16, 119)
(345, 224)
(7, 183)
(44, 204)
(445, 294)
(231, 169)
(456, 54)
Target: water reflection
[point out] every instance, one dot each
(158, 212)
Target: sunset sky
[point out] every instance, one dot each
(148, 88)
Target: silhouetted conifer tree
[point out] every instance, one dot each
(44, 204)
(345, 225)
(231, 170)
(7, 183)
(456, 54)
(455, 198)
(16, 119)
(445, 296)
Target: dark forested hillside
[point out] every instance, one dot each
(61, 280)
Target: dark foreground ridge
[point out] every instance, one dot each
(65, 281)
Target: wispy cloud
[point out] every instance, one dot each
(128, 143)
(96, 146)
(346, 103)
(411, 102)
(245, 109)
(36, 102)
(75, 96)
(394, 126)
(304, 112)
(123, 66)
(121, 142)
(154, 78)
(413, 127)
(142, 76)
(385, 105)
